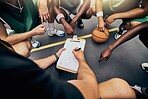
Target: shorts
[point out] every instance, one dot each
(143, 19)
(72, 11)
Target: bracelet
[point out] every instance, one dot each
(59, 16)
(56, 56)
(98, 14)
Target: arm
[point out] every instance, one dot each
(127, 36)
(43, 10)
(86, 77)
(134, 13)
(45, 62)
(16, 38)
(68, 28)
(82, 10)
(99, 8)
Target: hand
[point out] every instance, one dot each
(73, 23)
(105, 54)
(101, 25)
(39, 30)
(109, 20)
(79, 55)
(69, 30)
(60, 51)
(43, 10)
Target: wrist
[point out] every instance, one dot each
(116, 16)
(59, 16)
(32, 33)
(100, 18)
(111, 48)
(99, 14)
(56, 57)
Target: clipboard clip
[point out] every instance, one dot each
(75, 39)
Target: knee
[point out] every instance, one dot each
(130, 25)
(120, 85)
(25, 52)
(23, 48)
(118, 82)
(88, 14)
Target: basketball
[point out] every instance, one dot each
(99, 36)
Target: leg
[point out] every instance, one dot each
(87, 15)
(125, 26)
(23, 48)
(52, 31)
(116, 88)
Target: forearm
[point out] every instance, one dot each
(56, 7)
(45, 62)
(99, 5)
(84, 7)
(87, 78)
(135, 13)
(84, 72)
(16, 38)
(129, 35)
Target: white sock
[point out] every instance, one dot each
(51, 26)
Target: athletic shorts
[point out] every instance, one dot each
(70, 10)
(143, 19)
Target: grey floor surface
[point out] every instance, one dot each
(124, 62)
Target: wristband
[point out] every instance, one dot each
(98, 14)
(56, 56)
(59, 16)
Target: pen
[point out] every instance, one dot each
(78, 49)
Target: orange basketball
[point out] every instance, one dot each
(100, 37)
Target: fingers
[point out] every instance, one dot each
(103, 58)
(101, 29)
(107, 23)
(62, 49)
(44, 17)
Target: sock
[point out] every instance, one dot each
(51, 26)
(46, 25)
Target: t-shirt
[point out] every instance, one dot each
(20, 21)
(21, 78)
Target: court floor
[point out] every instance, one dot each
(124, 62)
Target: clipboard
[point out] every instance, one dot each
(67, 60)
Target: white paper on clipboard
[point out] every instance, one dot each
(67, 60)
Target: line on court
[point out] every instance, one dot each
(62, 42)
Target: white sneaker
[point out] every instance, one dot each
(35, 43)
(56, 32)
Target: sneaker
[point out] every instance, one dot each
(138, 88)
(56, 32)
(142, 90)
(118, 35)
(69, 20)
(35, 43)
(144, 66)
(80, 23)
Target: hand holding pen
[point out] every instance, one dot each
(78, 53)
